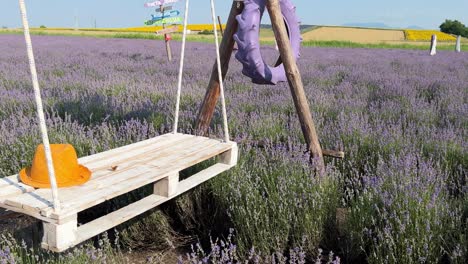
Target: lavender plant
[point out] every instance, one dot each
(400, 116)
(107, 251)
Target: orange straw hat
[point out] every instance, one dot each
(67, 170)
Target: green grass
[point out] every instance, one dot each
(209, 39)
(349, 44)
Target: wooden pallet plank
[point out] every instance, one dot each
(136, 181)
(131, 158)
(109, 153)
(115, 218)
(201, 177)
(129, 170)
(163, 158)
(133, 152)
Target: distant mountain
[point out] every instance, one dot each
(268, 26)
(414, 27)
(367, 25)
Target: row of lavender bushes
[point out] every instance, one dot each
(399, 196)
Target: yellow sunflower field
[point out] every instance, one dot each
(425, 35)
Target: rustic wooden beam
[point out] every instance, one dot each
(296, 85)
(166, 39)
(333, 153)
(220, 25)
(208, 105)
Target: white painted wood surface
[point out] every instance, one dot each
(158, 160)
(115, 218)
(458, 44)
(433, 45)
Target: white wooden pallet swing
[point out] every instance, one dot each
(155, 161)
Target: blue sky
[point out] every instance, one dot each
(120, 13)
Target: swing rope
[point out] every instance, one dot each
(181, 67)
(218, 63)
(220, 74)
(40, 110)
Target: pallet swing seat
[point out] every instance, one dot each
(118, 171)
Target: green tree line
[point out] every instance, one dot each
(454, 27)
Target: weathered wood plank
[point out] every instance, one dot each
(98, 160)
(115, 218)
(126, 159)
(201, 177)
(138, 180)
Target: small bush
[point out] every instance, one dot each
(206, 32)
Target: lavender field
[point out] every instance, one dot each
(401, 116)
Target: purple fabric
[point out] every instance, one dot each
(247, 38)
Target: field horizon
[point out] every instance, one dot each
(314, 36)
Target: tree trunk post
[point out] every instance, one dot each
(166, 36)
(208, 105)
(296, 85)
(220, 26)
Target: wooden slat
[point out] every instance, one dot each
(138, 180)
(201, 177)
(116, 156)
(115, 218)
(122, 149)
(130, 169)
(131, 157)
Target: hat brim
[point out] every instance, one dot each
(84, 176)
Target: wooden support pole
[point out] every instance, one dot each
(166, 39)
(220, 26)
(458, 44)
(212, 93)
(295, 84)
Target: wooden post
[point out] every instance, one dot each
(212, 93)
(168, 186)
(458, 44)
(433, 45)
(295, 84)
(168, 45)
(220, 26)
(58, 237)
